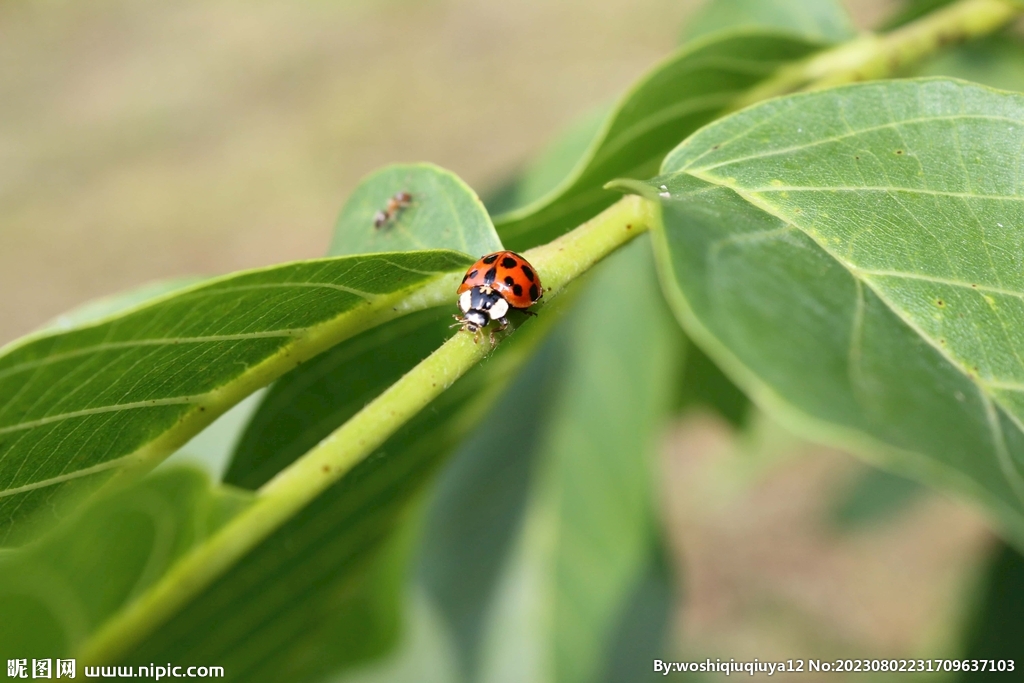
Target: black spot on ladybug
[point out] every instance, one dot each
(508, 262)
(534, 293)
(517, 289)
(465, 277)
(490, 259)
(490, 274)
(473, 272)
(509, 281)
(527, 272)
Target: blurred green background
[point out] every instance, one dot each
(141, 141)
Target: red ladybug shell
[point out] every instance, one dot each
(509, 274)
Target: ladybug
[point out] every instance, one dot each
(494, 284)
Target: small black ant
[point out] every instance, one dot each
(395, 205)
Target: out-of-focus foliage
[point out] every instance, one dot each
(674, 99)
(823, 20)
(54, 594)
(996, 61)
(996, 630)
(874, 496)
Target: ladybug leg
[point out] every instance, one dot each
(503, 324)
(494, 342)
(529, 313)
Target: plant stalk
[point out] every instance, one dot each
(558, 264)
(871, 57)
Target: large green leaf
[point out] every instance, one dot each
(703, 385)
(642, 633)
(671, 101)
(56, 592)
(76, 406)
(590, 531)
(478, 504)
(604, 433)
(557, 160)
(996, 631)
(107, 306)
(442, 213)
(824, 20)
(852, 257)
(996, 61)
(911, 10)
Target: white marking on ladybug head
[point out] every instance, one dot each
(475, 320)
(466, 300)
(498, 309)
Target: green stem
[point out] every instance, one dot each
(558, 264)
(870, 57)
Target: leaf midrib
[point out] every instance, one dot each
(1013, 474)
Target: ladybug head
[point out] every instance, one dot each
(480, 305)
(474, 320)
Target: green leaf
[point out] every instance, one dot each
(702, 384)
(823, 20)
(55, 592)
(76, 406)
(644, 626)
(424, 655)
(996, 61)
(115, 304)
(478, 504)
(600, 451)
(873, 497)
(443, 213)
(590, 531)
(671, 101)
(556, 162)
(851, 257)
(996, 629)
(912, 10)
